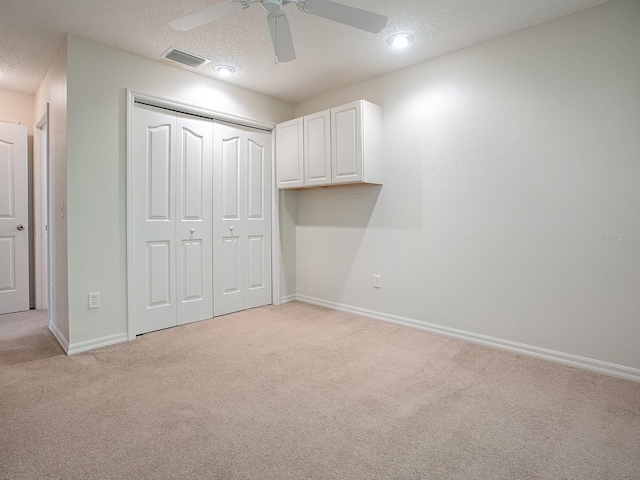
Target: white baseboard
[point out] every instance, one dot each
(79, 347)
(288, 299)
(606, 368)
(61, 340)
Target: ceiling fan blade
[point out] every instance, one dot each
(281, 37)
(207, 15)
(338, 12)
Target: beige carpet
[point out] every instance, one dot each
(299, 392)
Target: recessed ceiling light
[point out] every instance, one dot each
(400, 40)
(224, 70)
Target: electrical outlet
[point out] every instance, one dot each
(376, 281)
(94, 300)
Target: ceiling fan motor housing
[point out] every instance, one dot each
(272, 6)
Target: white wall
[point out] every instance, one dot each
(511, 168)
(288, 218)
(18, 108)
(53, 90)
(98, 79)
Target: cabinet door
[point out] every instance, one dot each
(317, 148)
(346, 143)
(289, 153)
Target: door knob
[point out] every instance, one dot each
(21, 227)
(231, 228)
(193, 230)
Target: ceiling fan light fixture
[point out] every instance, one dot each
(272, 6)
(400, 40)
(224, 70)
(278, 22)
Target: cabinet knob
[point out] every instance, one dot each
(193, 230)
(231, 228)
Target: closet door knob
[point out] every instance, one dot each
(21, 227)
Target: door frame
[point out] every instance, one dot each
(134, 97)
(41, 207)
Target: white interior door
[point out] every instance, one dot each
(242, 219)
(14, 231)
(171, 219)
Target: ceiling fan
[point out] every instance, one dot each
(278, 22)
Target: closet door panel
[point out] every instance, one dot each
(229, 205)
(194, 226)
(154, 238)
(255, 262)
(158, 274)
(255, 181)
(230, 282)
(257, 240)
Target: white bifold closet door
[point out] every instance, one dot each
(242, 219)
(172, 219)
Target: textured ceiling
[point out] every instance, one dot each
(329, 55)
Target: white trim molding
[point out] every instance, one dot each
(96, 343)
(41, 210)
(131, 101)
(182, 107)
(290, 298)
(61, 340)
(598, 366)
(275, 228)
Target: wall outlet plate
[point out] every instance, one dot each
(94, 300)
(376, 281)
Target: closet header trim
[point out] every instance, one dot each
(181, 107)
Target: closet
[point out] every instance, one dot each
(201, 218)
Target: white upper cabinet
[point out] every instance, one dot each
(289, 168)
(346, 143)
(338, 146)
(317, 148)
